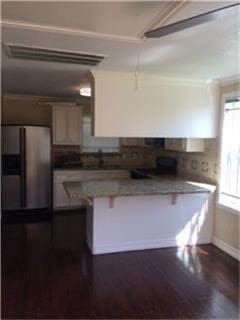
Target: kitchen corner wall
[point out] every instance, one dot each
(201, 165)
(205, 166)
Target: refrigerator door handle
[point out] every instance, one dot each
(23, 185)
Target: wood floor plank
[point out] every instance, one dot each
(49, 273)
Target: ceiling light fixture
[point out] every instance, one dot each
(85, 91)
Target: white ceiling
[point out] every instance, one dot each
(116, 18)
(205, 52)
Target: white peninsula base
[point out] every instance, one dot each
(147, 222)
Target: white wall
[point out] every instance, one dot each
(227, 224)
(25, 111)
(152, 107)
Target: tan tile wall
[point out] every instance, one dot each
(128, 156)
(204, 165)
(197, 165)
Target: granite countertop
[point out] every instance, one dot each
(78, 168)
(91, 169)
(130, 187)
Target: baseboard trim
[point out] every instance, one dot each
(233, 252)
(142, 245)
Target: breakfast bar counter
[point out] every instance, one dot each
(128, 214)
(131, 187)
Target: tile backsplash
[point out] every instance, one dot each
(202, 165)
(199, 165)
(127, 157)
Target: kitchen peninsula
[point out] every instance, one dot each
(127, 214)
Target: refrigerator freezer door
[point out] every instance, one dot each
(11, 168)
(38, 167)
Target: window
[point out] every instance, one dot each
(229, 191)
(92, 144)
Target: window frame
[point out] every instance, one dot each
(224, 98)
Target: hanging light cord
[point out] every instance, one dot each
(138, 64)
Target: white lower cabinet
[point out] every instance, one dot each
(61, 200)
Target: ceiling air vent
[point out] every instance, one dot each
(48, 55)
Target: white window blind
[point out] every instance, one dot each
(229, 193)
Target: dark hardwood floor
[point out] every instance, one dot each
(48, 272)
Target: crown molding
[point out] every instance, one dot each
(149, 78)
(58, 103)
(67, 31)
(47, 100)
(12, 96)
(229, 80)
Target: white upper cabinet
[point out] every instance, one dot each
(185, 145)
(150, 106)
(66, 125)
(59, 125)
(74, 124)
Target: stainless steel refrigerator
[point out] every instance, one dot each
(26, 168)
